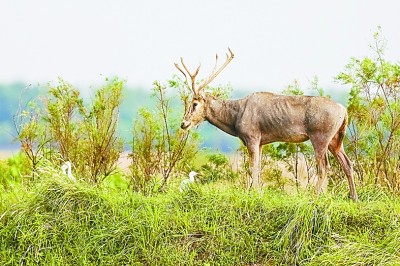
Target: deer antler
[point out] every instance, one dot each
(192, 76)
(210, 78)
(215, 73)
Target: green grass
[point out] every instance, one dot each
(57, 222)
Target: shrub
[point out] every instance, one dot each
(159, 146)
(374, 112)
(63, 128)
(217, 168)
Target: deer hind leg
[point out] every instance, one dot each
(336, 148)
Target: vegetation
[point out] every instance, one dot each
(159, 146)
(58, 222)
(139, 217)
(61, 128)
(374, 110)
(133, 99)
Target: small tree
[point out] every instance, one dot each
(159, 145)
(100, 122)
(374, 110)
(31, 133)
(64, 129)
(62, 121)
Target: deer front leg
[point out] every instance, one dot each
(254, 152)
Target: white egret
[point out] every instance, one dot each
(186, 182)
(66, 169)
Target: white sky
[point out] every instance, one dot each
(274, 42)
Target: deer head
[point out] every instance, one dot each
(196, 111)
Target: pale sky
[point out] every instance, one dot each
(274, 42)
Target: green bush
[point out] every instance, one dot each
(160, 147)
(374, 113)
(63, 128)
(13, 170)
(217, 168)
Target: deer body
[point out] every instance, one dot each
(264, 117)
(272, 117)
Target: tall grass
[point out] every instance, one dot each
(58, 222)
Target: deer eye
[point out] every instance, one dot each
(194, 105)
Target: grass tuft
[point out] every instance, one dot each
(59, 222)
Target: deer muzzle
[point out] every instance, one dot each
(185, 124)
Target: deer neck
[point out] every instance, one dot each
(223, 114)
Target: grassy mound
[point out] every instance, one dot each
(57, 222)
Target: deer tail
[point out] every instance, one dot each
(342, 130)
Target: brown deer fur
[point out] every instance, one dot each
(264, 117)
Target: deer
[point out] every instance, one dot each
(265, 117)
